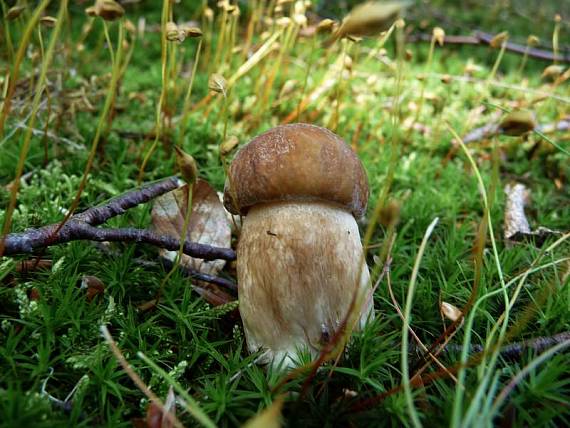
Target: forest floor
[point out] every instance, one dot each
(430, 124)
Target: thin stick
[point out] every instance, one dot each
(117, 206)
(483, 39)
(35, 239)
(511, 351)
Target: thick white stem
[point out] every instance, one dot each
(299, 267)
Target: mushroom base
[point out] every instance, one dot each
(299, 267)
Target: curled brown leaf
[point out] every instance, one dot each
(208, 222)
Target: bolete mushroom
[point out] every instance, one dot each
(299, 257)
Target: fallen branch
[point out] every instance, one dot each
(493, 129)
(511, 351)
(82, 226)
(216, 280)
(484, 39)
(167, 263)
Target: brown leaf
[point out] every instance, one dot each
(34, 264)
(156, 418)
(450, 311)
(213, 294)
(93, 285)
(153, 416)
(208, 223)
(34, 294)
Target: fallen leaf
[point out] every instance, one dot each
(93, 286)
(213, 294)
(450, 311)
(153, 416)
(208, 223)
(233, 220)
(34, 294)
(156, 418)
(34, 264)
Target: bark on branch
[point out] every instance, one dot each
(492, 129)
(82, 226)
(484, 39)
(511, 351)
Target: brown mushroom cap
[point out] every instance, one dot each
(296, 162)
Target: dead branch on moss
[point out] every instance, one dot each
(493, 129)
(167, 264)
(511, 351)
(83, 226)
(484, 39)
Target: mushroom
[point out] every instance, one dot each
(299, 256)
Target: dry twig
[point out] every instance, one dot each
(167, 264)
(82, 226)
(512, 351)
(484, 39)
(492, 129)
